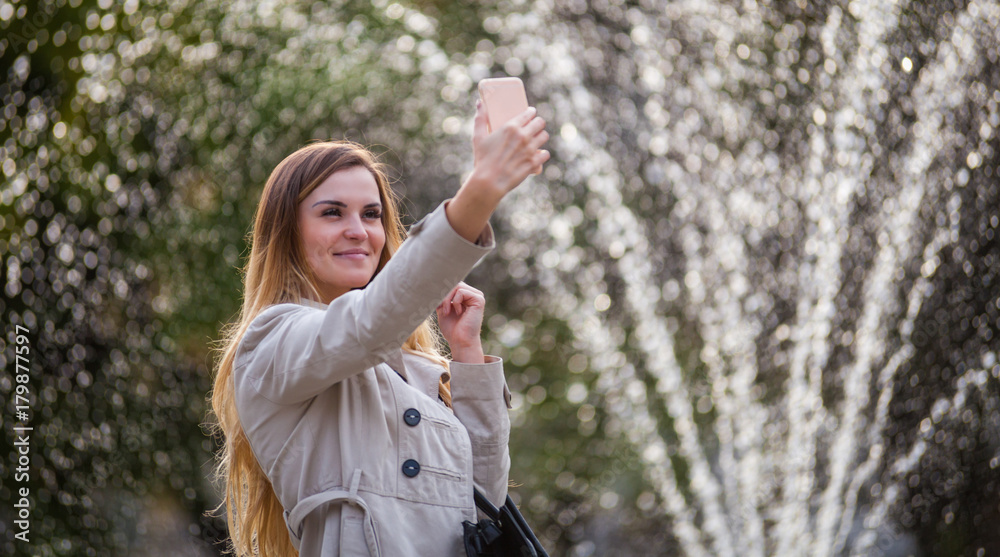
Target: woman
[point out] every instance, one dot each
(346, 431)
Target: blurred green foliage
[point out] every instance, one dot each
(137, 139)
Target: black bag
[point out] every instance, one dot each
(503, 534)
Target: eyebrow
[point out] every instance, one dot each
(344, 205)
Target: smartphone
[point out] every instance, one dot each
(504, 99)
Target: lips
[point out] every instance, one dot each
(355, 254)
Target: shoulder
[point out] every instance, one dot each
(274, 315)
(273, 319)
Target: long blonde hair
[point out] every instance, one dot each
(277, 272)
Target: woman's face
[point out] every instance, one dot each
(340, 223)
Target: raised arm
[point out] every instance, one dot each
(292, 352)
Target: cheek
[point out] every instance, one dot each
(378, 239)
(309, 240)
(314, 241)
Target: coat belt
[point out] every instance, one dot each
(294, 518)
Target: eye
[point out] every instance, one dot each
(331, 213)
(373, 214)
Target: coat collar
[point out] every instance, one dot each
(419, 372)
(394, 359)
(312, 303)
(424, 374)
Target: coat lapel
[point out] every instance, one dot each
(394, 359)
(424, 375)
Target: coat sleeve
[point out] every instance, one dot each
(480, 399)
(293, 352)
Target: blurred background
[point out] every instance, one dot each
(751, 307)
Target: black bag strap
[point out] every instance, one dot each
(485, 504)
(510, 517)
(523, 525)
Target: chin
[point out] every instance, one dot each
(354, 283)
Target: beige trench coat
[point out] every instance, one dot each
(360, 451)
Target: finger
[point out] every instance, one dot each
(540, 139)
(465, 288)
(538, 159)
(536, 125)
(523, 118)
(446, 303)
(474, 297)
(451, 293)
(471, 289)
(458, 300)
(471, 296)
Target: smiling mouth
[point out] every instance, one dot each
(352, 254)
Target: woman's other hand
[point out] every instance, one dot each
(460, 318)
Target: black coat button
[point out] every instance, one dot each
(411, 417)
(411, 468)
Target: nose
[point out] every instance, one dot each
(355, 229)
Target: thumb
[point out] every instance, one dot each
(480, 126)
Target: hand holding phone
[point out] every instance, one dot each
(503, 158)
(504, 98)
